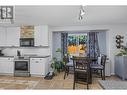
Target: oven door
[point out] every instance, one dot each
(21, 66)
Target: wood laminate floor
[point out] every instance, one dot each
(39, 83)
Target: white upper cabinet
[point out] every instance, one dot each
(41, 35)
(2, 36)
(12, 36)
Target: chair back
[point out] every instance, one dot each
(81, 63)
(103, 60)
(66, 59)
(81, 70)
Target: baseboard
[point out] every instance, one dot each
(7, 74)
(112, 73)
(34, 75)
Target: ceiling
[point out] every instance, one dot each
(68, 15)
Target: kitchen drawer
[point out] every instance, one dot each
(2, 58)
(37, 60)
(6, 59)
(10, 59)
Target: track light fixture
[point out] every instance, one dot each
(81, 12)
(80, 17)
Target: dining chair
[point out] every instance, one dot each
(68, 65)
(100, 67)
(81, 70)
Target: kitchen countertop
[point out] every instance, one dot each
(27, 58)
(40, 56)
(7, 56)
(43, 56)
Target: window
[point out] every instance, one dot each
(77, 44)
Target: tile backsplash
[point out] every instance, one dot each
(24, 51)
(27, 32)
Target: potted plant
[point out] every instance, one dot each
(57, 64)
(123, 52)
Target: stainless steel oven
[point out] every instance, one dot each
(21, 67)
(26, 42)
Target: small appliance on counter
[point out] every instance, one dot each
(27, 42)
(18, 53)
(1, 54)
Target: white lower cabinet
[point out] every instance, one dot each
(39, 66)
(6, 65)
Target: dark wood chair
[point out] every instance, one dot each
(100, 67)
(81, 70)
(68, 65)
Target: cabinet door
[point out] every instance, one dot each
(1, 65)
(41, 36)
(13, 36)
(7, 65)
(36, 67)
(37, 36)
(45, 34)
(2, 36)
(46, 66)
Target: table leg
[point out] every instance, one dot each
(90, 79)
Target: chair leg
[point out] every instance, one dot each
(74, 83)
(103, 74)
(87, 86)
(87, 82)
(65, 72)
(90, 77)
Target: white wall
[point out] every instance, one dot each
(56, 44)
(102, 42)
(113, 30)
(50, 42)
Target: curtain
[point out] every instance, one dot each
(93, 46)
(64, 41)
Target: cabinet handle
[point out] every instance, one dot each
(36, 61)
